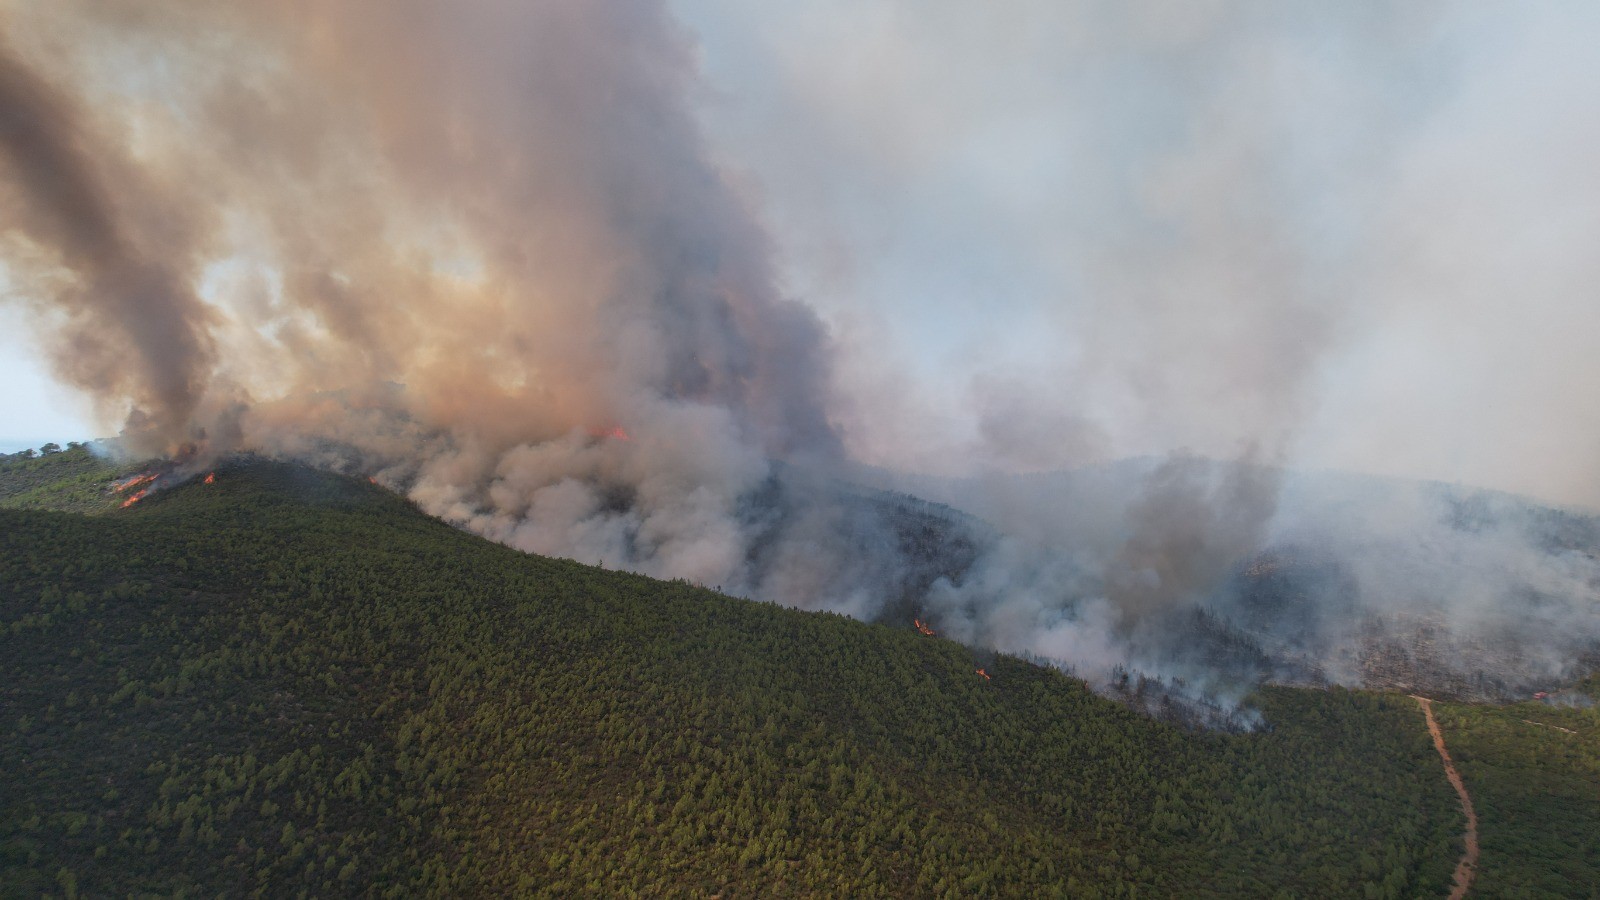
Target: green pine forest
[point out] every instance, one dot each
(292, 683)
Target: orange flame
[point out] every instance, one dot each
(211, 478)
(984, 674)
(134, 499)
(923, 627)
(372, 480)
(615, 432)
(134, 482)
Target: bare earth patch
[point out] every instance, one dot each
(1468, 866)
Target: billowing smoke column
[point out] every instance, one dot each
(479, 252)
(483, 252)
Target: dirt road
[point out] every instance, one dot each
(1468, 866)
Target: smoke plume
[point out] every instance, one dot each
(531, 263)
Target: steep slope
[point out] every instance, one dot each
(289, 681)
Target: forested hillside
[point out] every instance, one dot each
(70, 480)
(1534, 773)
(285, 681)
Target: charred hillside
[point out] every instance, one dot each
(888, 548)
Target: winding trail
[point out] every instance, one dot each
(1548, 725)
(1468, 866)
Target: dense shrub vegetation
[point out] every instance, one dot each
(288, 682)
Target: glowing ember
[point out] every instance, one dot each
(134, 499)
(923, 627)
(372, 480)
(211, 478)
(984, 674)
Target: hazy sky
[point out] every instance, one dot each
(1352, 235)
(1044, 234)
(34, 409)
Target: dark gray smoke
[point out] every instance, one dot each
(1186, 535)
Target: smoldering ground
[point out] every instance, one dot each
(1347, 579)
(520, 261)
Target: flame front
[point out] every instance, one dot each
(984, 674)
(211, 478)
(923, 627)
(141, 481)
(134, 482)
